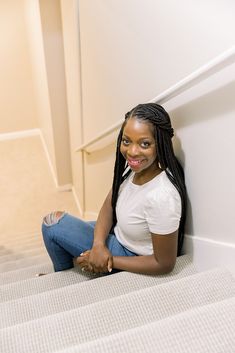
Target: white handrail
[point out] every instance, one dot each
(217, 64)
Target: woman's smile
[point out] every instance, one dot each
(134, 163)
(138, 148)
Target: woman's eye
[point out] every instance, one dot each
(125, 142)
(145, 144)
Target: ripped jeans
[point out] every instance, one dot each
(66, 237)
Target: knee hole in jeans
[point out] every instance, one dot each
(53, 218)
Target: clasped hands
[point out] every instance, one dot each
(97, 260)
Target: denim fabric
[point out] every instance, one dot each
(70, 236)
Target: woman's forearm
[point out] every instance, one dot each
(104, 222)
(141, 264)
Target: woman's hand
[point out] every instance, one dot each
(97, 260)
(83, 261)
(100, 259)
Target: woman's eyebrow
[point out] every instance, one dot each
(141, 138)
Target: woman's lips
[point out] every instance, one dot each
(134, 162)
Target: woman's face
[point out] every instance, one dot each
(138, 146)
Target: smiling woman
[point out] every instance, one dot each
(139, 149)
(140, 226)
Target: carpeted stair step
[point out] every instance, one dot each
(27, 251)
(206, 329)
(41, 284)
(84, 293)
(25, 273)
(118, 314)
(9, 248)
(56, 280)
(23, 263)
(20, 238)
(22, 255)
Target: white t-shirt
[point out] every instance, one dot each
(154, 207)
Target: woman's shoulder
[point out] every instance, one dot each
(163, 190)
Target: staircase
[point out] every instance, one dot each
(185, 311)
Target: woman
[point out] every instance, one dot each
(140, 226)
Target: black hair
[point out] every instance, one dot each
(156, 115)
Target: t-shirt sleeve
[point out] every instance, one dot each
(163, 211)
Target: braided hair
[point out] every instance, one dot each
(156, 115)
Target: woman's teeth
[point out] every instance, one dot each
(134, 163)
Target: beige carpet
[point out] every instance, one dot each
(27, 189)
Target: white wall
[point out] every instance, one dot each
(132, 50)
(38, 63)
(51, 23)
(18, 109)
(45, 39)
(204, 121)
(70, 24)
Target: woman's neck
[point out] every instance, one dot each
(142, 178)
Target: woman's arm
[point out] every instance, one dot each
(104, 221)
(162, 261)
(100, 258)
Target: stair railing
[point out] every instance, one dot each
(218, 63)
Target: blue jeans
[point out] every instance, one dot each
(70, 236)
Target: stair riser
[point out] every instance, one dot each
(30, 287)
(26, 273)
(110, 317)
(207, 329)
(23, 263)
(81, 293)
(22, 255)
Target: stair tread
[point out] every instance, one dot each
(9, 248)
(20, 238)
(23, 263)
(56, 280)
(84, 293)
(205, 329)
(41, 284)
(117, 314)
(17, 255)
(25, 273)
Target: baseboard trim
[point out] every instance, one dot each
(90, 216)
(207, 253)
(66, 187)
(19, 134)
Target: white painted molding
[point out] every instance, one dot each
(208, 253)
(61, 188)
(19, 134)
(49, 159)
(76, 198)
(66, 187)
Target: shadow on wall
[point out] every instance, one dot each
(208, 106)
(101, 155)
(181, 156)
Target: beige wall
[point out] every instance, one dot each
(203, 118)
(54, 58)
(70, 24)
(44, 31)
(132, 50)
(17, 100)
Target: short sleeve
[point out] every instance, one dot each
(163, 210)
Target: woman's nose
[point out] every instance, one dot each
(133, 150)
